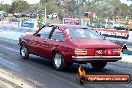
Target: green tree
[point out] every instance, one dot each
(122, 9)
(104, 9)
(7, 8)
(51, 6)
(19, 6)
(71, 7)
(44, 1)
(34, 7)
(1, 6)
(110, 8)
(130, 10)
(4, 7)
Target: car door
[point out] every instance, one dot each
(56, 42)
(40, 39)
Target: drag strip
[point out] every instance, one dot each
(40, 70)
(10, 58)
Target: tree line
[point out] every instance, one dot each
(72, 8)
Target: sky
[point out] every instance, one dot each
(36, 1)
(127, 2)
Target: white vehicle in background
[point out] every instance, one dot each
(17, 15)
(10, 15)
(113, 25)
(53, 15)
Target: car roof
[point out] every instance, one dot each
(68, 26)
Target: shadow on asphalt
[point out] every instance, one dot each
(73, 69)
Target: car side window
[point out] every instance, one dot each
(45, 32)
(57, 35)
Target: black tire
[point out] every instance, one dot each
(24, 52)
(98, 65)
(80, 79)
(62, 65)
(58, 61)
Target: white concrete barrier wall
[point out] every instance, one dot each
(15, 24)
(10, 24)
(130, 36)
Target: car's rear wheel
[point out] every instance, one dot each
(24, 52)
(98, 65)
(59, 63)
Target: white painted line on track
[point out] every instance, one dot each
(11, 49)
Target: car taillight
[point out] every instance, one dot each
(116, 50)
(81, 51)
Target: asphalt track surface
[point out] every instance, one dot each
(39, 73)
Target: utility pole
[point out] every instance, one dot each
(45, 15)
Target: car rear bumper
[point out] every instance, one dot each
(95, 58)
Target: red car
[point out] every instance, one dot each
(64, 44)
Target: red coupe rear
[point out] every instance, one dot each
(65, 44)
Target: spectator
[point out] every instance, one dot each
(1, 17)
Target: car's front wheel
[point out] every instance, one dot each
(98, 65)
(24, 52)
(58, 61)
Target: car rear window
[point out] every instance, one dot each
(75, 33)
